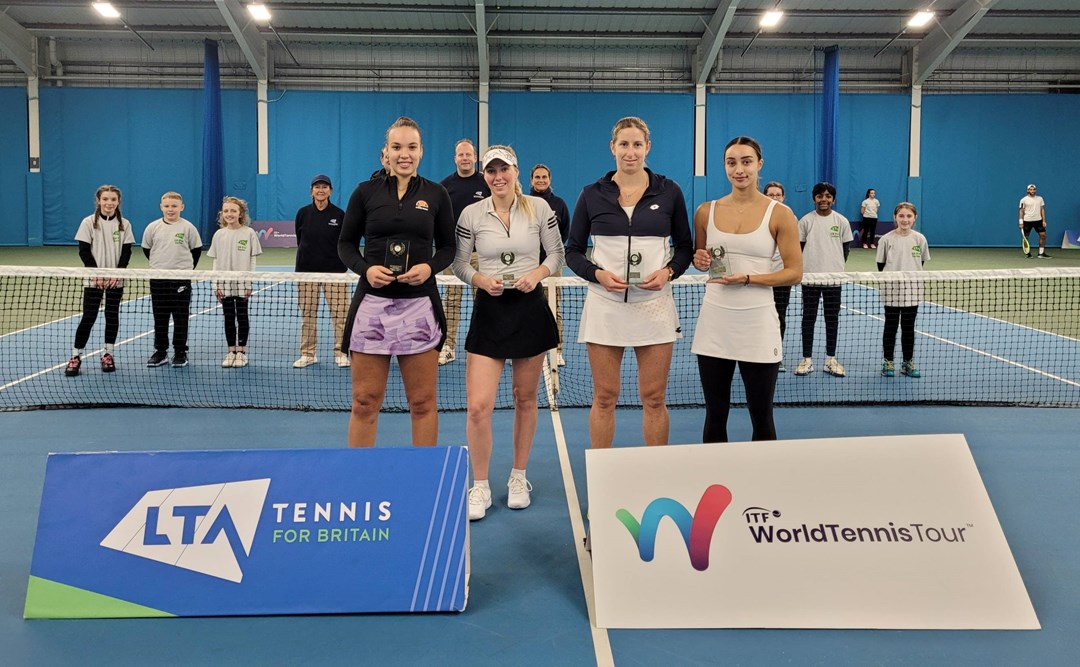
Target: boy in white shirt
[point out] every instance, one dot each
(826, 237)
(171, 242)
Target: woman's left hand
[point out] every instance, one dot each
(733, 279)
(656, 280)
(417, 275)
(529, 281)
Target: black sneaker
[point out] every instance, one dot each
(108, 364)
(179, 360)
(73, 366)
(159, 358)
(1043, 255)
(1028, 255)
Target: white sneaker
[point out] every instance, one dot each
(230, 359)
(342, 360)
(305, 360)
(805, 367)
(241, 360)
(834, 367)
(446, 356)
(479, 502)
(559, 359)
(519, 497)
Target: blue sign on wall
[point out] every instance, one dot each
(222, 533)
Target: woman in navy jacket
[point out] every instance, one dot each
(630, 214)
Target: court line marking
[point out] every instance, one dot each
(90, 355)
(968, 348)
(601, 641)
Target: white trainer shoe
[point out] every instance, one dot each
(805, 367)
(834, 367)
(479, 502)
(342, 360)
(447, 356)
(560, 359)
(241, 360)
(519, 497)
(305, 360)
(230, 359)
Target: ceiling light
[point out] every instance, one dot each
(771, 19)
(107, 10)
(920, 19)
(259, 12)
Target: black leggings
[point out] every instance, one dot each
(236, 320)
(91, 303)
(830, 294)
(868, 231)
(904, 317)
(782, 297)
(170, 298)
(760, 381)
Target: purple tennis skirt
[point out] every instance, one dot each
(394, 326)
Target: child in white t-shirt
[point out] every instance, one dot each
(902, 249)
(234, 248)
(825, 236)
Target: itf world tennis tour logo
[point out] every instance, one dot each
(697, 530)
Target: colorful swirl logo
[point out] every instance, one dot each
(697, 531)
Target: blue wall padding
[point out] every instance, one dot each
(340, 134)
(978, 151)
(146, 142)
(571, 133)
(13, 167)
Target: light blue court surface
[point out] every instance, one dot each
(527, 605)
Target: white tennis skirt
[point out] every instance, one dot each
(608, 322)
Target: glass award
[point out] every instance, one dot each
(397, 256)
(718, 263)
(633, 275)
(507, 258)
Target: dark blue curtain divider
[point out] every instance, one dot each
(213, 167)
(830, 113)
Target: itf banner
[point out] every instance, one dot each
(275, 233)
(223, 533)
(888, 532)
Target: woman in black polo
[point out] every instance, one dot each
(396, 310)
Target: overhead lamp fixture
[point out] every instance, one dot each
(921, 19)
(107, 10)
(259, 12)
(771, 19)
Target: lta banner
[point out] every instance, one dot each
(221, 533)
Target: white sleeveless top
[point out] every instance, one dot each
(739, 321)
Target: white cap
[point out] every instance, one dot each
(1031, 185)
(493, 154)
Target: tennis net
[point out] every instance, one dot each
(1008, 337)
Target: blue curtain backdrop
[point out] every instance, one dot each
(13, 169)
(213, 165)
(830, 110)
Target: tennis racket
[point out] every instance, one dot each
(1024, 243)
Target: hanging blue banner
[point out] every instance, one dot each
(225, 533)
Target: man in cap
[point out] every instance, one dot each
(318, 226)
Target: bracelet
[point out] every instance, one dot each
(747, 280)
(670, 273)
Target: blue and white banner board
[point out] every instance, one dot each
(225, 533)
(1071, 239)
(887, 532)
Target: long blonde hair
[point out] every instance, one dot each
(241, 204)
(97, 205)
(519, 194)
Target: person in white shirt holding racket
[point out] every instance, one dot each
(1033, 217)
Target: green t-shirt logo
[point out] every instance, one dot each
(916, 251)
(242, 245)
(835, 229)
(178, 239)
(116, 236)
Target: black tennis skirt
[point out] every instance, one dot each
(513, 325)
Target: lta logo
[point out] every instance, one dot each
(697, 531)
(207, 529)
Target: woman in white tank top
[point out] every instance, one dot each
(738, 321)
